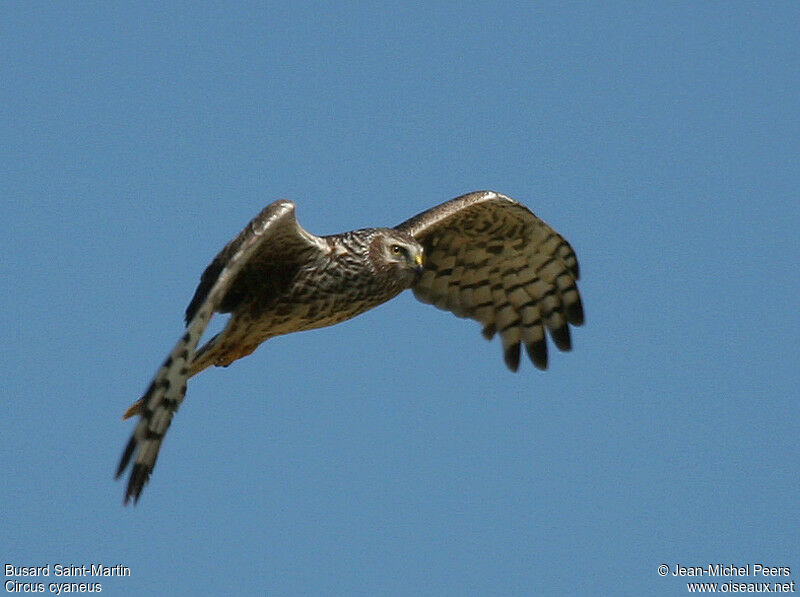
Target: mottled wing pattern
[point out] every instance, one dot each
(490, 259)
(288, 241)
(275, 226)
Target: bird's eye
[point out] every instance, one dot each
(396, 249)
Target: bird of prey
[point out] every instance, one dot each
(482, 256)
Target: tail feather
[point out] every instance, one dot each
(168, 388)
(133, 409)
(157, 407)
(203, 359)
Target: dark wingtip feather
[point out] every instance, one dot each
(139, 477)
(561, 338)
(537, 351)
(489, 331)
(511, 356)
(126, 457)
(575, 312)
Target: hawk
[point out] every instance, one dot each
(482, 256)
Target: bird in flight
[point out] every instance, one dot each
(482, 256)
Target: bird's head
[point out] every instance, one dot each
(398, 252)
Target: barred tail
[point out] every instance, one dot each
(203, 359)
(157, 406)
(164, 396)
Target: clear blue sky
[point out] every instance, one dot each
(395, 454)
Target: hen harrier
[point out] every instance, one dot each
(481, 255)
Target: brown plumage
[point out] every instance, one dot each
(486, 257)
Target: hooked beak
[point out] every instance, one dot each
(419, 267)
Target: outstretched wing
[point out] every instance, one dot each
(490, 259)
(274, 233)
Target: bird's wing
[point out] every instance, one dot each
(288, 241)
(274, 231)
(490, 259)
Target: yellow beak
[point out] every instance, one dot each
(418, 263)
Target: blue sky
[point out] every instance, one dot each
(395, 454)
